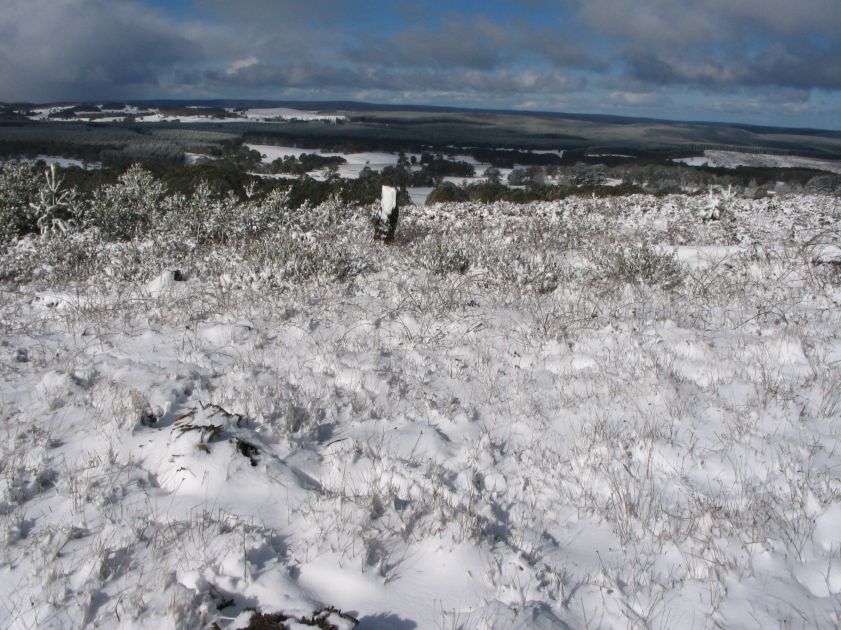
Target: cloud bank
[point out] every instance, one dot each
(675, 58)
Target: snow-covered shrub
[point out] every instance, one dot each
(19, 185)
(718, 204)
(444, 255)
(327, 236)
(129, 208)
(55, 208)
(63, 256)
(638, 265)
(202, 218)
(315, 221)
(538, 269)
(542, 271)
(824, 185)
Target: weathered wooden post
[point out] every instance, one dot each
(385, 223)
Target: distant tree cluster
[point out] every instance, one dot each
(305, 163)
(489, 192)
(429, 170)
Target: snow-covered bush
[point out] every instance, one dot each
(55, 208)
(638, 265)
(19, 185)
(62, 257)
(718, 204)
(128, 209)
(442, 255)
(824, 185)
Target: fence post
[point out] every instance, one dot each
(385, 223)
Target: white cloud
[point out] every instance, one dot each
(241, 64)
(635, 99)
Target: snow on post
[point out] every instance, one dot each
(385, 223)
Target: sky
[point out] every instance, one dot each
(768, 62)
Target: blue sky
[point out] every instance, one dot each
(774, 62)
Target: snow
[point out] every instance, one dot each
(356, 162)
(419, 194)
(734, 159)
(194, 158)
(63, 162)
(378, 160)
(424, 448)
(286, 113)
(152, 114)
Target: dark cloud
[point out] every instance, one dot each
(585, 54)
(722, 43)
(802, 66)
(86, 48)
(675, 23)
(777, 65)
(475, 42)
(315, 76)
(457, 42)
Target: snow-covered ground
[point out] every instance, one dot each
(733, 159)
(194, 158)
(285, 113)
(419, 194)
(582, 414)
(375, 160)
(64, 162)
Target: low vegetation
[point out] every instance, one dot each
(594, 411)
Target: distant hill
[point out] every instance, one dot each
(371, 126)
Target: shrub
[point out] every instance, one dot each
(127, 209)
(19, 185)
(447, 192)
(55, 207)
(638, 265)
(442, 257)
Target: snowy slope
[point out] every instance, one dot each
(579, 414)
(734, 159)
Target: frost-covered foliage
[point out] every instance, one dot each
(638, 265)
(127, 209)
(132, 228)
(591, 413)
(19, 186)
(55, 209)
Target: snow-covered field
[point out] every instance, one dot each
(153, 114)
(582, 414)
(286, 113)
(734, 159)
(58, 160)
(375, 160)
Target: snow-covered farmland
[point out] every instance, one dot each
(378, 160)
(734, 159)
(154, 114)
(286, 113)
(375, 160)
(589, 413)
(63, 162)
(356, 162)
